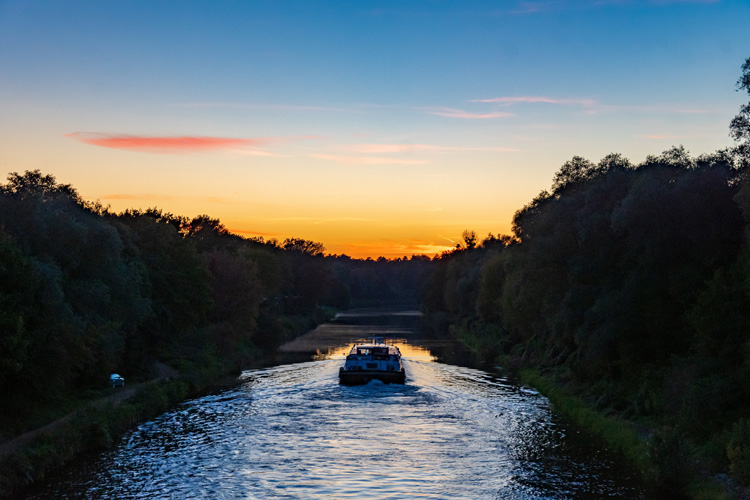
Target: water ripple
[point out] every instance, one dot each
(292, 432)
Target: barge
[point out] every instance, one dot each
(374, 360)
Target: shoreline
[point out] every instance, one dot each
(97, 425)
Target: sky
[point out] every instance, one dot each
(378, 128)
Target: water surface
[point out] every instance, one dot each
(292, 432)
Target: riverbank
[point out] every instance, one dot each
(651, 451)
(97, 424)
(34, 455)
(669, 462)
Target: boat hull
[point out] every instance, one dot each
(359, 377)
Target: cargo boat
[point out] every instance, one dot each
(374, 360)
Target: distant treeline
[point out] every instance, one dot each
(85, 292)
(630, 285)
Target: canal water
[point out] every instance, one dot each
(290, 431)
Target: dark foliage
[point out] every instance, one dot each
(632, 285)
(85, 292)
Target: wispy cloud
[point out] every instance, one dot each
(417, 148)
(509, 100)
(367, 160)
(459, 113)
(167, 144)
(661, 108)
(262, 106)
(592, 106)
(536, 7)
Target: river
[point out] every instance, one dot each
(290, 431)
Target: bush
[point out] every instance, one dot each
(669, 458)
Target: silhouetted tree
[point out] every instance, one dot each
(33, 183)
(307, 247)
(469, 239)
(739, 128)
(614, 161)
(575, 171)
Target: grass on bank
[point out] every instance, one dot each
(660, 455)
(94, 428)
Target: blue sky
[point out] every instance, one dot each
(378, 128)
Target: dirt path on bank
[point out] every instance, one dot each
(163, 372)
(118, 395)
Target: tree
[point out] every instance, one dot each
(34, 183)
(614, 161)
(739, 128)
(470, 239)
(524, 220)
(17, 289)
(303, 246)
(178, 285)
(575, 171)
(676, 157)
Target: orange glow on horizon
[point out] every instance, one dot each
(387, 248)
(389, 228)
(408, 351)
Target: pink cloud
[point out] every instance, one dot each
(459, 113)
(166, 144)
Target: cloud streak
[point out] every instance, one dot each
(417, 148)
(591, 106)
(167, 144)
(588, 103)
(367, 160)
(269, 107)
(459, 113)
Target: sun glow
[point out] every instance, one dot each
(408, 351)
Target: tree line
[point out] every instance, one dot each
(630, 285)
(85, 292)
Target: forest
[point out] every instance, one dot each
(629, 285)
(85, 292)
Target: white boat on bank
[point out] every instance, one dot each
(375, 360)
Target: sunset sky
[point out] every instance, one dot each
(377, 127)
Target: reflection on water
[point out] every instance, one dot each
(293, 432)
